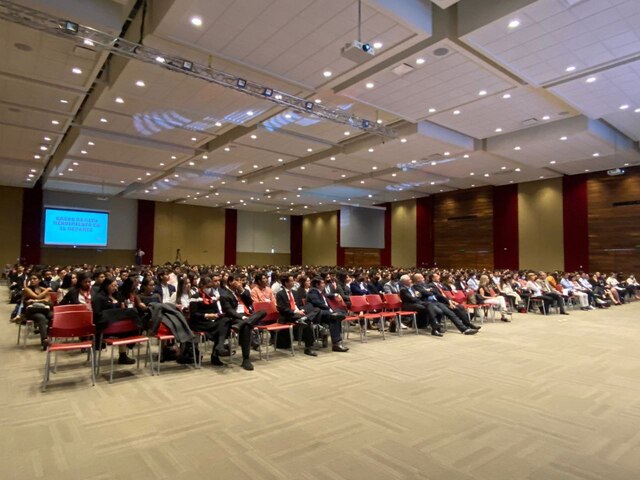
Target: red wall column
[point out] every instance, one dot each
(32, 211)
(339, 249)
(506, 252)
(576, 222)
(146, 225)
(295, 241)
(230, 235)
(424, 232)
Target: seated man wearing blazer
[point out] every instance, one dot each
(289, 313)
(317, 300)
(412, 302)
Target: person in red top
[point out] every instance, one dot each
(290, 313)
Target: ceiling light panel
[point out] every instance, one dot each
(554, 35)
(442, 83)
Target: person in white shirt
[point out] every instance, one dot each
(568, 288)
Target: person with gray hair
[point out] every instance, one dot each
(425, 313)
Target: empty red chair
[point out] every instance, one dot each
(361, 307)
(119, 333)
(270, 324)
(393, 302)
(70, 325)
(338, 304)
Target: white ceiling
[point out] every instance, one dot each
(251, 154)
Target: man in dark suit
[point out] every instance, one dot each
(289, 313)
(412, 301)
(359, 286)
(448, 307)
(163, 288)
(316, 299)
(242, 319)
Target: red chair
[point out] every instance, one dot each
(360, 306)
(336, 304)
(270, 325)
(70, 325)
(376, 305)
(79, 307)
(164, 335)
(133, 337)
(393, 302)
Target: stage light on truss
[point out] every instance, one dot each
(187, 65)
(71, 27)
(308, 105)
(365, 124)
(241, 83)
(267, 92)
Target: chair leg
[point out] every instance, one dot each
(159, 355)
(291, 337)
(111, 372)
(381, 323)
(47, 365)
(93, 369)
(196, 363)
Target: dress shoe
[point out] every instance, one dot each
(505, 319)
(436, 333)
(564, 313)
(470, 331)
(311, 353)
(246, 364)
(224, 351)
(215, 361)
(475, 327)
(124, 360)
(339, 348)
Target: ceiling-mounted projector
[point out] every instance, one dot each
(615, 172)
(358, 52)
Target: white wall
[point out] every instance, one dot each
(123, 215)
(261, 232)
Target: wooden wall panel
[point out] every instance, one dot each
(403, 233)
(463, 224)
(362, 257)
(78, 256)
(319, 233)
(10, 224)
(614, 231)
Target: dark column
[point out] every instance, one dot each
(505, 227)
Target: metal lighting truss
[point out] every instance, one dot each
(43, 22)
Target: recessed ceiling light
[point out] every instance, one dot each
(517, 169)
(140, 83)
(227, 149)
(473, 185)
(276, 178)
(33, 170)
(196, 21)
(119, 100)
(434, 163)
(88, 42)
(596, 154)
(76, 70)
(55, 122)
(414, 161)
(37, 157)
(104, 120)
(374, 168)
(76, 164)
(61, 174)
(121, 181)
(160, 59)
(552, 162)
(377, 45)
(516, 148)
(563, 138)
(332, 158)
(420, 61)
(44, 148)
(546, 117)
(347, 133)
(327, 73)
(176, 175)
(514, 23)
(90, 143)
(586, 169)
(591, 79)
(166, 179)
(309, 149)
(343, 175)
(250, 113)
(570, 68)
(47, 139)
(403, 140)
(637, 110)
(83, 152)
(218, 124)
(432, 110)
(466, 155)
(303, 167)
(506, 96)
(379, 121)
(394, 174)
(626, 165)
(541, 176)
(482, 93)
(64, 101)
(472, 174)
(371, 150)
(498, 130)
(70, 169)
(503, 168)
(148, 174)
(254, 137)
(240, 172)
(370, 85)
(317, 100)
(623, 107)
(456, 112)
(287, 116)
(173, 157)
(486, 174)
(194, 139)
(362, 182)
(192, 164)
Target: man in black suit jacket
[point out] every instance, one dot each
(289, 313)
(235, 308)
(317, 300)
(163, 288)
(412, 301)
(445, 306)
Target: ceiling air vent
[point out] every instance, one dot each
(402, 69)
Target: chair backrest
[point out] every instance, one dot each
(269, 308)
(124, 325)
(559, 288)
(359, 304)
(72, 324)
(375, 302)
(79, 307)
(336, 304)
(459, 296)
(392, 301)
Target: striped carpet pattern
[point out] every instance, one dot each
(541, 398)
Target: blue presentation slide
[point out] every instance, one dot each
(75, 227)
